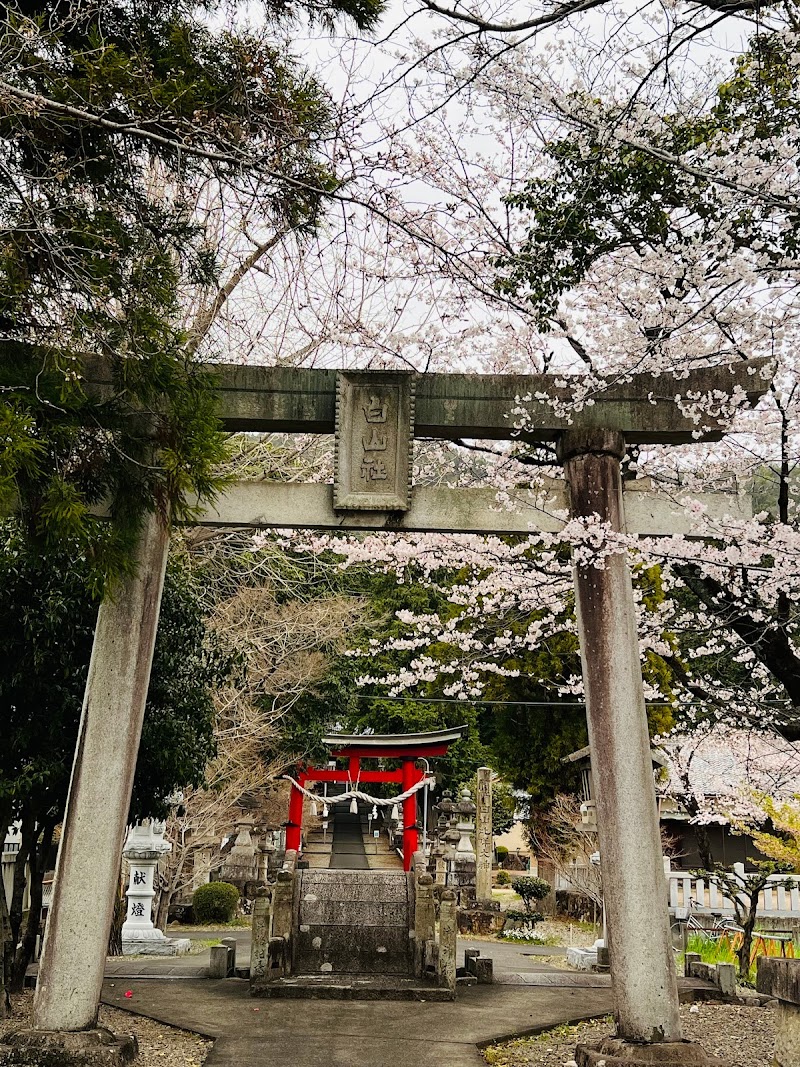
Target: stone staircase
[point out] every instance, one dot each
(317, 849)
(380, 855)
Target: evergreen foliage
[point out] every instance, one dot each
(215, 902)
(531, 891)
(116, 114)
(48, 618)
(782, 843)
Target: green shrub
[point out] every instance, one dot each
(503, 878)
(502, 853)
(215, 902)
(524, 916)
(532, 890)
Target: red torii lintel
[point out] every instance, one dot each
(405, 747)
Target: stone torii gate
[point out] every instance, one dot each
(375, 415)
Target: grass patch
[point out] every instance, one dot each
(723, 950)
(241, 922)
(201, 944)
(512, 1052)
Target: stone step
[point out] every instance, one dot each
(351, 987)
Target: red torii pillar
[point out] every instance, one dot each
(294, 827)
(411, 775)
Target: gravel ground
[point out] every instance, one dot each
(741, 1037)
(159, 1045)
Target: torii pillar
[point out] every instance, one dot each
(634, 892)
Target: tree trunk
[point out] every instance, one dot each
(27, 947)
(747, 923)
(118, 919)
(704, 848)
(15, 910)
(5, 955)
(169, 887)
(5, 930)
(162, 911)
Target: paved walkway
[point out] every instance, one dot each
(529, 995)
(323, 1033)
(513, 964)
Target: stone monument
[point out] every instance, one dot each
(483, 837)
(241, 865)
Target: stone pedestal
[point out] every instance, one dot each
(613, 1052)
(143, 849)
(84, 1048)
(583, 959)
(242, 862)
(483, 920)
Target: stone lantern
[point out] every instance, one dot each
(465, 849)
(143, 849)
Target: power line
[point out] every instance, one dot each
(537, 703)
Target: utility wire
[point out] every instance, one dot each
(534, 703)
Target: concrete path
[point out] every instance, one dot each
(529, 995)
(324, 1033)
(513, 964)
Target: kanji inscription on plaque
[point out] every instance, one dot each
(374, 428)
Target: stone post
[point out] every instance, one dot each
(483, 837)
(258, 948)
(424, 919)
(780, 978)
(201, 872)
(265, 854)
(439, 851)
(282, 897)
(644, 981)
(448, 940)
(87, 870)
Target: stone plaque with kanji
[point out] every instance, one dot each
(374, 428)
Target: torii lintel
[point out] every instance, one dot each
(479, 406)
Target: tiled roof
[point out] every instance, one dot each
(725, 766)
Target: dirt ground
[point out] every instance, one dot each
(159, 1046)
(741, 1037)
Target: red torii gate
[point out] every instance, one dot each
(355, 747)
